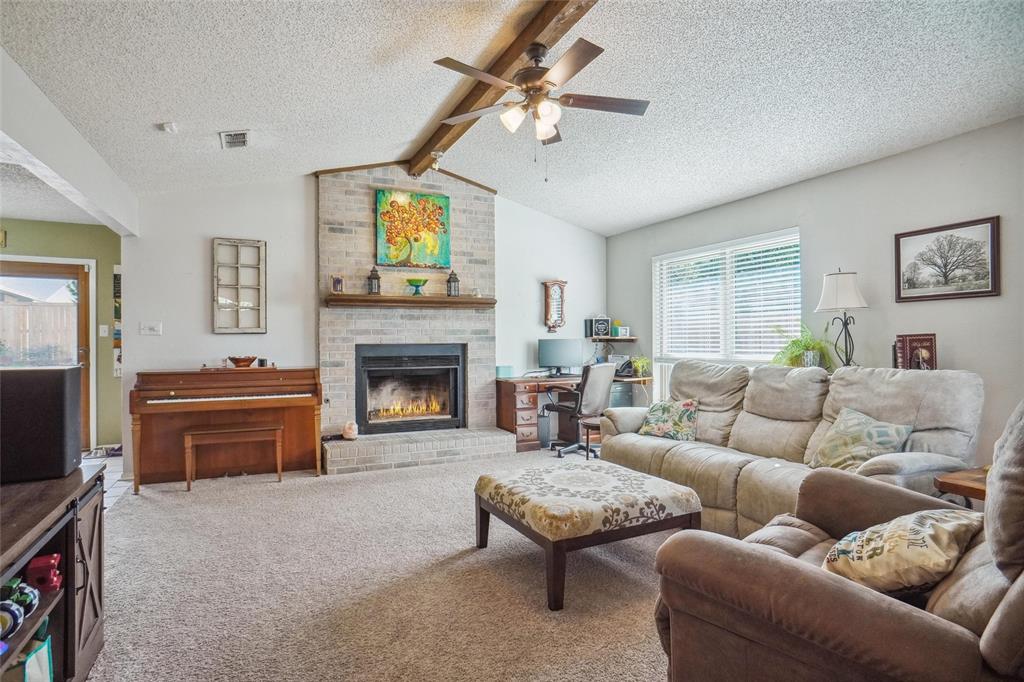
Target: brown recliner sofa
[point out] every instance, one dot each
(763, 609)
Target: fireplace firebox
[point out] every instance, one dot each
(410, 387)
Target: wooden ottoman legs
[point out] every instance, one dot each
(554, 563)
(483, 523)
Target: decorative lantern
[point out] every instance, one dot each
(453, 284)
(373, 282)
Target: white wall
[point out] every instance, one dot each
(167, 277)
(37, 135)
(533, 247)
(847, 219)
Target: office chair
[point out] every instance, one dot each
(590, 399)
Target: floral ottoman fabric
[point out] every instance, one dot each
(566, 500)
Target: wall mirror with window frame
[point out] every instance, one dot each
(239, 286)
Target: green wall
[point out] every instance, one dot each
(69, 240)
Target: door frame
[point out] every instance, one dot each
(90, 266)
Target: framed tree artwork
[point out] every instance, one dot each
(950, 261)
(413, 230)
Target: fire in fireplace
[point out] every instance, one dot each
(409, 387)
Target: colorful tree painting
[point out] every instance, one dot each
(413, 230)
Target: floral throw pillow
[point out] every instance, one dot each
(909, 553)
(675, 419)
(855, 438)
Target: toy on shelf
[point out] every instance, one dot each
(42, 574)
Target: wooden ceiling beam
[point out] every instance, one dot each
(551, 23)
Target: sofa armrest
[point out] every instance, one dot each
(839, 502)
(904, 463)
(814, 615)
(622, 420)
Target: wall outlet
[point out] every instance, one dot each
(104, 330)
(151, 328)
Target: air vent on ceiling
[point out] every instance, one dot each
(233, 139)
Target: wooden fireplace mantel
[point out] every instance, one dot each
(383, 301)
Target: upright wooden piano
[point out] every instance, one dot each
(164, 404)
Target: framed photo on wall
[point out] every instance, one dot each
(950, 261)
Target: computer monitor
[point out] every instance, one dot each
(559, 354)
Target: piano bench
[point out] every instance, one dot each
(229, 433)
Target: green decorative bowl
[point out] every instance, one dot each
(417, 283)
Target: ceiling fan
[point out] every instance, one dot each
(535, 85)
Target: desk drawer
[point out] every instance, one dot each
(526, 388)
(526, 417)
(526, 433)
(526, 400)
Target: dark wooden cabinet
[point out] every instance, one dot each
(58, 516)
(88, 634)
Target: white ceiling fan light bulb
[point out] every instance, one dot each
(512, 118)
(549, 113)
(544, 131)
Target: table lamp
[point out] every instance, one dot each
(839, 293)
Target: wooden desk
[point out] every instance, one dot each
(518, 404)
(970, 483)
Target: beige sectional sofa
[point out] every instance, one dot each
(758, 428)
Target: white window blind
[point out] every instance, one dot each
(734, 301)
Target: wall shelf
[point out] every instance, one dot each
(382, 301)
(611, 339)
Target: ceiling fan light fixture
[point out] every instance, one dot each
(549, 113)
(513, 118)
(545, 131)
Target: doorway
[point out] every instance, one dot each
(45, 321)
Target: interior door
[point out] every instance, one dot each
(44, 320)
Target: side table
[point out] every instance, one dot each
(969, 483)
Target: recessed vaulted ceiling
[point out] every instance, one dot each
(745, 97)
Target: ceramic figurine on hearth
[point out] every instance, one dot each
(350, 431)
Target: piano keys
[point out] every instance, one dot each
(164, 404)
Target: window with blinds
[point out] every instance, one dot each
(735, 301)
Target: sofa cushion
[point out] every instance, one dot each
(911, 552)
(767, 488)
(970, 594)
(943, 406)
(793, 537)
(781, 408)
(712, 471)
(719, 391)
(640, 453)
(1004, 494)
(854, 438)
(673, 419)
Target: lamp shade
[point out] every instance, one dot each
(839, 292)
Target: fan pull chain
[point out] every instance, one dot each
(545, 164)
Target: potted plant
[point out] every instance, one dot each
(641, 366)
(792, 354)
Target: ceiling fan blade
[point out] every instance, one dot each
(572, 62)
(477, 113)
(616, 105)
(557, 137)
(473, 72)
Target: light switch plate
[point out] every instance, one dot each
(104, 330)
(151, 328)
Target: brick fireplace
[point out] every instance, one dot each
(349, 336)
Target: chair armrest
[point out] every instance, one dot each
(554, 405)
(772, 598)
(840, 502)
(904, 463)
(623, 420)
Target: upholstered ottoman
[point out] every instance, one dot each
(568, 506)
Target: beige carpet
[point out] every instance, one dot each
(362, 577)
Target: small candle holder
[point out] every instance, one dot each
(453, 284)
(373, 282)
